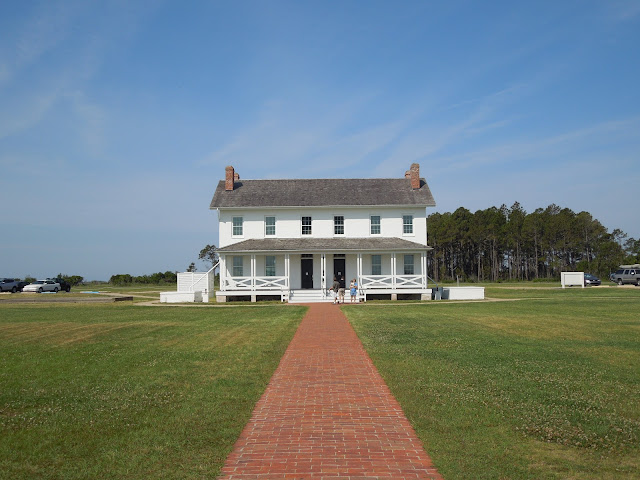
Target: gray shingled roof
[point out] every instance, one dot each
(322, 244)
(322, 192)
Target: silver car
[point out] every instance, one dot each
(42, 286)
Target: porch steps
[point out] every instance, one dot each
(308, 296)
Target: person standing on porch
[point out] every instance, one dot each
(335, 288)
(341, 290)
(353, 289)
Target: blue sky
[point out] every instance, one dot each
(117, 118)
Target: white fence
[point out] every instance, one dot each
(195, 281)
(259, 283)
(373, 282)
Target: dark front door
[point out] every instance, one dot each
(307, 273)
(338, 270)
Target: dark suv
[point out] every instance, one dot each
(64, 285)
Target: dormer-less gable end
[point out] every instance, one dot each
(410, 190)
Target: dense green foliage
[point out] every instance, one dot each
(112, 391)
(509, 243)
(72, 280)
(209, 254)
(543, 388)
(158, 278)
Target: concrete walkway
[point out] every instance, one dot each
(327, 414)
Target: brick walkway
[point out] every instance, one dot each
(327, 414)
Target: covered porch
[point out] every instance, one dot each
(272, 269)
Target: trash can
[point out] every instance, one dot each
(437, 293)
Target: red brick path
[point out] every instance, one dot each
(327, 414)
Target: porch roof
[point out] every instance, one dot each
(323, 244)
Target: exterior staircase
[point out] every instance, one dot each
(308, 296)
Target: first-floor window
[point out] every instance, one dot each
(408, 264)
(375, 225)
(237, 267)
(237, 227)
(376, 264)
(306, 225)
(270, 266)
(407, 224)
(269, 226)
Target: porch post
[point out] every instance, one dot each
(423, 266)
(253, 271)
(223, 270)
(393, 270)
(323, 268)
(287, 270)
(359, 270)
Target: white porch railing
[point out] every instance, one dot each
(373, 282)
(261, 283)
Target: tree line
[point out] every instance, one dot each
(158, 278)
(510, 244)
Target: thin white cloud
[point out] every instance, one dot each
(42, 32)
(610, 134)
(624, 10)
(291, 139)
(23, 112)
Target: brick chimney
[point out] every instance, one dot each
(229, 178)
(414, 175)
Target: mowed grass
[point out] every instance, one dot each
(113, 391)
(544, 387)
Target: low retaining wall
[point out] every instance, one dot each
(463, 293)
(183, 297)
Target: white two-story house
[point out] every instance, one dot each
(289, 238)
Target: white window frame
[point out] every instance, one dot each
(267, 266)
(412, 264)
(336, 225)
(371, 225)
(234, 268)
(274, 226)
(233, 227)
(302, 225)
(404, 233)
(373, 272)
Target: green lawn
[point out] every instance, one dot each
(544, 386)
(123, 391)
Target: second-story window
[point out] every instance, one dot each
(306, 225)
(237, 227)
(338, 225)
(407, 224)
(375, 225)
(269, 226)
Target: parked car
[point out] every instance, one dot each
(627, 274)
(9, 285)
(21, 285)
(591, 280)
(42, 286)
(64, 285)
